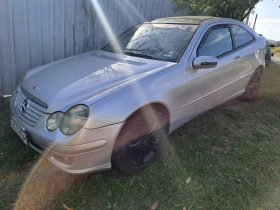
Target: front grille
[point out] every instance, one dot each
(34, 111)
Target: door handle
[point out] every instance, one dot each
(236, 59)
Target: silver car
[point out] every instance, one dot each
(115, 106)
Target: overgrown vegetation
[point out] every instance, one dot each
(236, 9)
(227, 158)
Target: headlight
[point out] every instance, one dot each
(54, 121)
(74, 119)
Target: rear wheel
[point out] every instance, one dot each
(139, 141)
(253, 86)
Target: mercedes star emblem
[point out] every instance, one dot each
(25, 105)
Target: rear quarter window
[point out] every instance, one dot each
(241, 36)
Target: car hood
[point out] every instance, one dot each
(78, 78)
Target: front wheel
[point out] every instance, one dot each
(253, 86)
(139, 141)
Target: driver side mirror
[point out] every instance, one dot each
(205, 62)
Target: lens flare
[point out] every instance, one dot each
(107, 28)
(140, 18)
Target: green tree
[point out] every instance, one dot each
(236, 9)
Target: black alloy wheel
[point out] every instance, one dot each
(139, 141)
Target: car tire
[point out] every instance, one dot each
(253, 86)
(139, 141)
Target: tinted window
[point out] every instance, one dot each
(215, 43)
(241, 36)
(156, 41)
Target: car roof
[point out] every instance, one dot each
(184, 20)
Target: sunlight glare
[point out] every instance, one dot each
(132, 20)
(105, 24)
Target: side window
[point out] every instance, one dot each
(241, 36)
(216, 42)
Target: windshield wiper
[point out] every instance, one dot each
(138, 55)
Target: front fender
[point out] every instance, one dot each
(167, 87)
(118, 107)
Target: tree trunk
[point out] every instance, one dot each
(248, 13)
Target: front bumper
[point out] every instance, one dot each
(89, 157)
(85, 151)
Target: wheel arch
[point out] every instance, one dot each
(261, 67)
(141, 110)
(154, 106)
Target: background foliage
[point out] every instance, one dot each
(236, 9)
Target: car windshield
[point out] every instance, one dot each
(164, 42)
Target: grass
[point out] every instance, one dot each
(227, 158)
(275, 49)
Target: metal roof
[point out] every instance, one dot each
(183, 19)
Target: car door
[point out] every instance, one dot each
(245, 53)
(207, 88)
